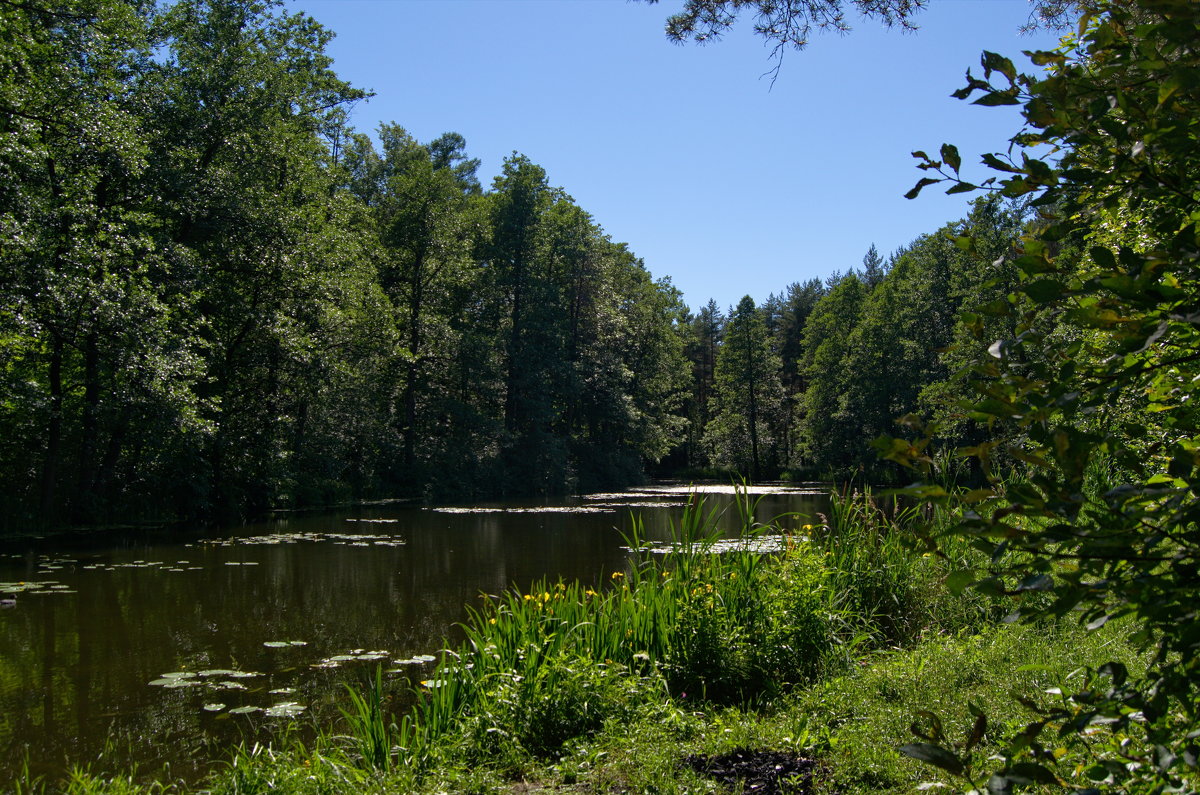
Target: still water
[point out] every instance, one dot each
(163, 651)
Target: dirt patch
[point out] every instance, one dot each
(769, 772)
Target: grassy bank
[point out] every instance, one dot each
(822, 652)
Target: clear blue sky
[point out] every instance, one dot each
(720, 181)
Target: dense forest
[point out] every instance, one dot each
(216, 298)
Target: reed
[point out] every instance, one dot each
(539, 666)
(375, 739)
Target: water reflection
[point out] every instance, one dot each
(86, 626)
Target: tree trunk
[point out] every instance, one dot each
(49, 510)
(84, 499)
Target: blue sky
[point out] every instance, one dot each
(720, 181)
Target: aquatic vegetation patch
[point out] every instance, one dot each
(540, 509)
(176, 566)
(617, 506)
(288, 709)
(284, 644)
(245, 710)
(356, 655)
(760, 544)
(34, 587)
(221, 680)
(736, 490)
(274, 539)
(47, 563)
(177, 680)
(207, 679)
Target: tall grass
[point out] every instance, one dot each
(542, 669)
(540, 666)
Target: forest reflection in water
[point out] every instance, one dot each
(156, 650)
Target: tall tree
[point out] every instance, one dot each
(749, 395)
(829, 435)
(90, 346)
(705, 330)
(419, 196)
(873, 268)
(238, 161)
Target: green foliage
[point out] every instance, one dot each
(1091, 394)
(218, 299)
(828, 438)
(748, 396)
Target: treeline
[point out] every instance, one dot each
(803, 384)
(216, 298)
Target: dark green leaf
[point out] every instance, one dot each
(995, 98)
(951, 157)
(1031, 773)
(934, 755)
(923, 182)
(994, 62)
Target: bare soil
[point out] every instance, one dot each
(759, 772)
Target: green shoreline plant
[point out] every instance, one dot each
(703, 622)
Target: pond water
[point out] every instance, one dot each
(165, 649)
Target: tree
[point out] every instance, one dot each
(873, 268)
(94, 351)
(828, 437)
(247, 210)
(749, 395)
(704, 331)
(419, 198)
(790, 24)
(1094, 392)
(786, 24)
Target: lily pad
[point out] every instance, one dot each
(244, 710)
(420, 659)
(227, 686)
(214, 707)
(288, 709)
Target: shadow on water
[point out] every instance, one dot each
(156, 651)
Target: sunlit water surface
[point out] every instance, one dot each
(165, 650)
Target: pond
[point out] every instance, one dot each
(160, 650)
